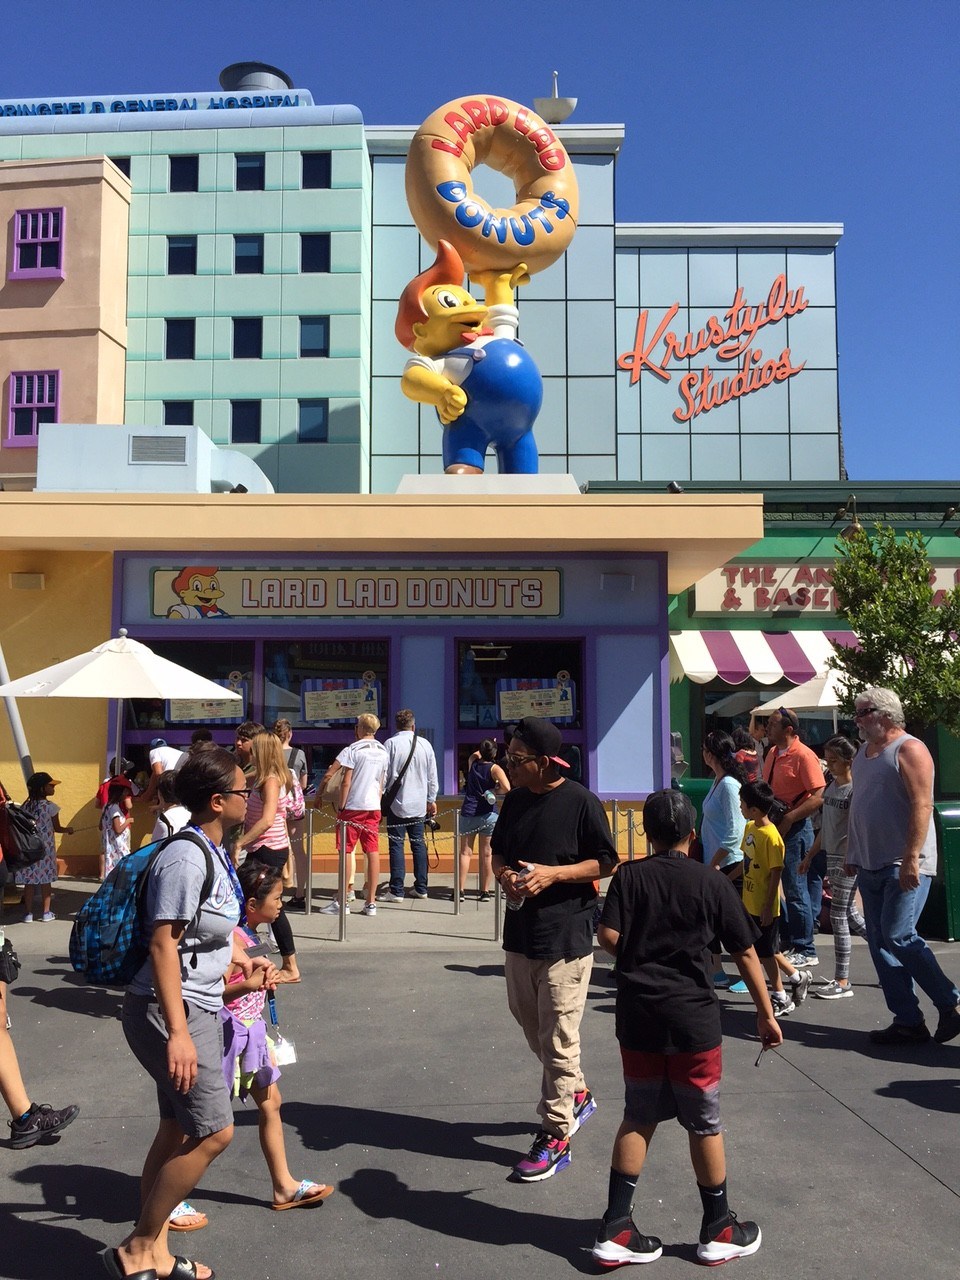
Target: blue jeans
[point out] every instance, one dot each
(818, 869)
(900, 956)
(395, 832)
(799, 917)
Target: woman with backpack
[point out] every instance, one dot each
(171, 1009)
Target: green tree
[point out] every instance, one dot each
(909, 638)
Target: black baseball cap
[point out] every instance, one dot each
(542, 737)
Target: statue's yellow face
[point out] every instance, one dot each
(451, 312)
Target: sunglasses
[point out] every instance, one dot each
(515, 760)
(864, 711)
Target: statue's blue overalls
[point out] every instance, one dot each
(505, 392)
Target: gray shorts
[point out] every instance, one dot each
(206, 1109)
(482, 823)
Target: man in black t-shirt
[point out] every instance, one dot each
(551, 843)
(659, 918)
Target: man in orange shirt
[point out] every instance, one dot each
(793, 772)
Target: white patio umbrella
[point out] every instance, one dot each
(120, 668)
(820, 693)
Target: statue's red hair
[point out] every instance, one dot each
(447, 269)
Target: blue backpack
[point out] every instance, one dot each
(108, 942)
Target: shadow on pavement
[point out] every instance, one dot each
(34, 1249)
(932, 1095)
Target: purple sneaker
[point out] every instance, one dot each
(583, 1108)
(547, 1156)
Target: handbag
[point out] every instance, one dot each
(9, 963)
(391, 793)
(330, 791)
(20, 838)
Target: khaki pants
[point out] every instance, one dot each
(547, 998)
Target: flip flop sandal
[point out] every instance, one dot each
(183, 1269)
(111, 1262)
(185, 1210)
(301, 1197)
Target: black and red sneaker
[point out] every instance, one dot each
(727, 1239)
(619, 1242)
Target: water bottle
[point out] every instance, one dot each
(491, 798)
(515, 906)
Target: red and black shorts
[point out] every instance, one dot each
(667, 1086)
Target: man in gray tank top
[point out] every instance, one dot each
(893, 845)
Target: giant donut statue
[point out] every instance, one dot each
(484, 129)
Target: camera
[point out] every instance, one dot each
(431, 824)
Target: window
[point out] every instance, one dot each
(315, 251)
(122, 163)
(251, 171)
(178, 413)
(244, 421)
(184, 173)
(314, 421)
(181, 255)
(248, 255)
(316, 170)
(248, 338)
(33, 400)
(314, 335)
(181, 338)
(38, 244)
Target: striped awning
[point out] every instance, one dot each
(766, 656)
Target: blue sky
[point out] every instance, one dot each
(736, 110)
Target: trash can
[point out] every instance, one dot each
(941, 915)
(696, 789)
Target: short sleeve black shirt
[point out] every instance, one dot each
(556, 828)
(667, 910)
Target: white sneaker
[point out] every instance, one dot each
(833, 990)
(28, 918)
(801, 985)
(782, 1004)
(369, 909)
(350, 896)
(47, 917)
(331, 909)
(390, 896)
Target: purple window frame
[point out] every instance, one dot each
(26, 235)
(32, 396)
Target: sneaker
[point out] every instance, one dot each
(47, 917)
(833, 990)
(41, 1121)
(721, 980)
(727, 1239)
(801, 961)
(738, 988)
(782, 1004)
(583, 1108)
(547, 1156)
(420, 893)
(390, 896)
(485, 897)
(369, 909)
(949, 1025)
(28, 918)
(620, 1242)
(331, 909)
(801, 985)
(350, 896)
(900, 1033)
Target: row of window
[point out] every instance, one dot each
(251, 166)
(35, 399)
(248, 254)
(313, 419)
(181, 337)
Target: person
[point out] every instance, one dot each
(415, 800)
(115, 824)
(265, 837)
(892, 846)
(171, 815)
(296, 762)
(748, 757)
(171, 1011)
(249, 1065)
(551, 843)
(721, 831)
(793, 772)
(763, 855)
(658, 919)
(832, 842)
(200, 736)
(364, 763)
(46, 814)
(161, 758)
(478, 814)
(243, 737)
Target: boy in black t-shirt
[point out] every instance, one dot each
(660, 916)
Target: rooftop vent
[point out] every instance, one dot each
(159, 449)
(254, 77)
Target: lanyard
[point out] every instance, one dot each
(231, 870)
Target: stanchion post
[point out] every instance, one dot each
(456, 862)
(615, 823)
(342, 878)
(497, 910)
(630, 834)
(308, 889)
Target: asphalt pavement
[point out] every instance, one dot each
(415, 1093)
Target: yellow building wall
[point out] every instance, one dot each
(66, 736)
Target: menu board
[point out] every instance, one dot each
(336, 701)
(210, 710)
(553, 699)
